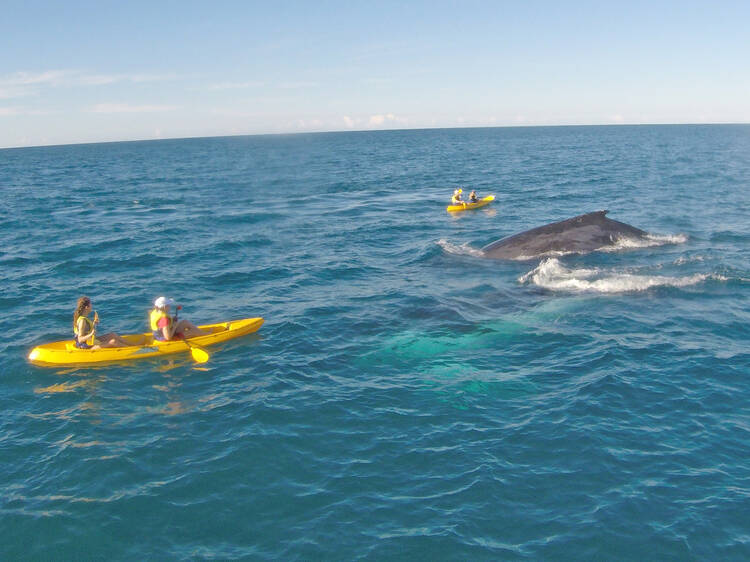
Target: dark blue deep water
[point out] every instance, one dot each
(406, 398)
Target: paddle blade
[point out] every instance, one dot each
(199, 355)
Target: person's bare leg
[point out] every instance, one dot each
(188, 329)
(112, 340)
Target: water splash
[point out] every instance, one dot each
(551, 274)
(648, 241)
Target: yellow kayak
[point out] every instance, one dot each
(466, 206)
(144, 345)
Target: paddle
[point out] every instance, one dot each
(95, 322)
(199, 355)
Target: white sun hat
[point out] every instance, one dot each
(162, 302)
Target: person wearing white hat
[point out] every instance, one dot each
(456, 199)
(166, 327)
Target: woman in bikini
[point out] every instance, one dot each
(84, 329)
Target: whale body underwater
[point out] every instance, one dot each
(582, 234)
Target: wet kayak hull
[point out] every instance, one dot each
(144, 345)
(481, 203)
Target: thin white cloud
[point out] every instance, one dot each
(24, 84)
(128, 108)
(234, 85)
(224, 112)
(374, 121)
(297, 85)
(32, 78)
(103, 79)
(10, 111)
(10, 93)
(386, 119)
(376, 81)
(308, 124)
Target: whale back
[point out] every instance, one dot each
(581, 234)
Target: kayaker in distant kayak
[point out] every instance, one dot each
(456, 199)
(166, 327)
(473, 196)
(84, 329)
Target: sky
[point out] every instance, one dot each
(74, 72)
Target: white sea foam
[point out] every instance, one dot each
(684, 260)
(459, 249)
(551, 254)
(646, 242)
(551, 274)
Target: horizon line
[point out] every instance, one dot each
(519, 126)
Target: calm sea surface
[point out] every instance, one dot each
(406, 398)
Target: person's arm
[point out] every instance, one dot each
(164, 325)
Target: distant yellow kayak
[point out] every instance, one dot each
(466, 206)
(144, 345)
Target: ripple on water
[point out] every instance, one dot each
(403, 389)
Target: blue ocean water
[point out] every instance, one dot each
(406, 398)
